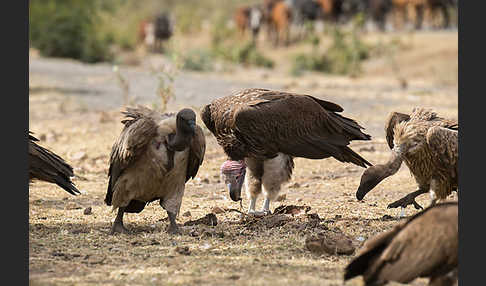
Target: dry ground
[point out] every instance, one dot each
(70, 248)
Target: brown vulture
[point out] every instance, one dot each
(426, 245)
(46, 166)
(152, 159)
(263, 130)
(429, 146)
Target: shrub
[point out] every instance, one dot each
(67, 28)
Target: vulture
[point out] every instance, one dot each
(429, 146)
(426, 245)
(46, 166)
(152, 159)
(263, 130)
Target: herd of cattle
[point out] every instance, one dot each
(278, 16)
(261, 131)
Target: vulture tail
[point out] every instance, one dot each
(353, 157)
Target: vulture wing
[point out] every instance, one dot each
(393, 119)
(424, 246)
(196, 153)
(444, 144)
(297, 125)
(47, 166)
(140, 128)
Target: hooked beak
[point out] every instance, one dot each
(234, 186)
(235, 192)
(369, 180)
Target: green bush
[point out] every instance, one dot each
(344, 56)
(197, 60)
(67, 28)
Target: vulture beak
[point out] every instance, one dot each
(235, 184)
(234, 175)
(369, 180)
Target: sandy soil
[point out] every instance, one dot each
(75, 110)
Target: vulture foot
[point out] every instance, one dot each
(173, 228)
(405, 201)
(259, 213)
(118, 228)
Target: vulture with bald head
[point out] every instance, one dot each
(47, 166)
(261, 131)
(152, 159)
(429, 146)
(426, 245)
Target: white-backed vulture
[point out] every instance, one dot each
(152, 159)
(429, 146)
(46, 166)
(263, 130)
(426, 245)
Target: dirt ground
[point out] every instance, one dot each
(74, 109)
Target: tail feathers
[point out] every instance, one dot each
(355, 158)
(67, 185)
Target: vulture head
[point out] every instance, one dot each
(233, 173)
(370, 178)
(186, 128)
(407, 139)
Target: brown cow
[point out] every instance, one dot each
(248, 18)
(415, 9)
(330, 9)
(279, 23)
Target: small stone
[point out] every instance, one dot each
(187, 214)
(87, 211)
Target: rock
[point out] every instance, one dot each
(88, 211)
(331, 243)
(184, 250)
(187, 214)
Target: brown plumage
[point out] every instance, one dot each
(429, 146)
(46, 166)
(152, 159)
(426, 245)
(268, 128)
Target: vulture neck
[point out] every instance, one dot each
(180, 140)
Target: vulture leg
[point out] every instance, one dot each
(253, 182)
(408, 200)
(118, 223)
(173, 228)
(251, 208)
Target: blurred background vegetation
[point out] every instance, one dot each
(102, 30)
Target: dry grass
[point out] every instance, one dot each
(69, 247)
